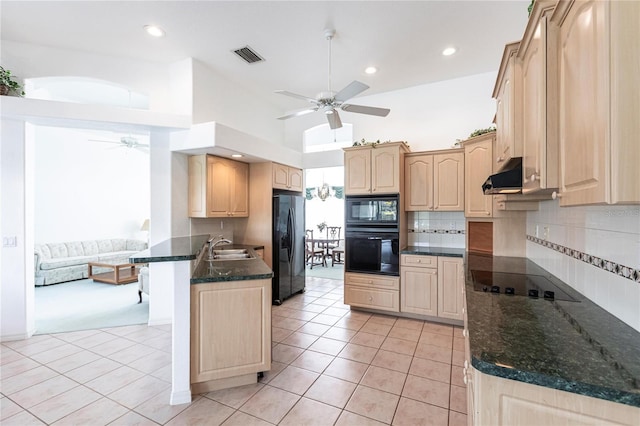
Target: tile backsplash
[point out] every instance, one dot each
(594, 249)
(436, 229)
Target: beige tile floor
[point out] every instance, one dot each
(331, 366)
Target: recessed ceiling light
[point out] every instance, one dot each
(237, 155)
(449, 51)
(154, 30)
(371, 70)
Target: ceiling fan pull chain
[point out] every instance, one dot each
(329, 37)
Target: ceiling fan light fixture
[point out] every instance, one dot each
(237, 155)
(371, 70)
(154, 30)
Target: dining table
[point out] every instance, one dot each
(326, 244)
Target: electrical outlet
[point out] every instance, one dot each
(545, 233)
(537, 234)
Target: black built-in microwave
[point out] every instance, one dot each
(371, 210)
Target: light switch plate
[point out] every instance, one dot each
(9, 241)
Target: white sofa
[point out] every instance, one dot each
(60, 262)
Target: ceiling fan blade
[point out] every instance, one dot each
(294, 95)
(334, 120)
(354, 88)
(298, 113)
(380, 112)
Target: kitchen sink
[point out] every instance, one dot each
(230, 251)
(231, 254)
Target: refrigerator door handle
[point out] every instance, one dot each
(292, 235)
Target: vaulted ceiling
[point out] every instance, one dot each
(403, 39)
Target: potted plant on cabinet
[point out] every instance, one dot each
(8, 84)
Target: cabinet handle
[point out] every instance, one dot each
(370, 298)
(419, 260)
(370, 282)
(556, 195)
(534, 177)
(488, 213)
(499, 159)
(432, 272)
(465, 379)
(466, 365)
(464, 334)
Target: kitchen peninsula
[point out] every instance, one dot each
(221, 315)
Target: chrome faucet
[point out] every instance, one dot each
(213, 244)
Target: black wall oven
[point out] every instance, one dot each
(372, 235)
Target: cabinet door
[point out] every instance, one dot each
(478, 163)
(230, 329)
(280, 176)
(419, 290)
(584, 99)
(198, 186)
(450, 282)
(219, 178)
(508, 120)
(418, 183)
(239, 194)
(357, 168)
(448, 181)
(385, 170)
(295, 179)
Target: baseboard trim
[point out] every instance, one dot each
(161, 321)
(14, 337)
(181, 397)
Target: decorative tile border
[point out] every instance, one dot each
(598, 262)
(437, 231)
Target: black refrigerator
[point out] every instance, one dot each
(288, 246)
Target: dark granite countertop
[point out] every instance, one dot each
(433, 251)
(172, 250)
(189, 248)
(572, 346)
(208, 271)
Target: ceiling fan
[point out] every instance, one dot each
(125, 141)
(329, 102)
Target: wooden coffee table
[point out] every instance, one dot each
(121, 273)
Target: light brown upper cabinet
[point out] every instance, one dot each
(599, 105)
(218, 187)
(285, 177)
(507, 93)
(537, 55)
(435, 181)
(478, 166)
(374, 169)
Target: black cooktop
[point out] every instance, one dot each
(510, 284)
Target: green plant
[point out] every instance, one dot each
(479, 132)
(7, 80)
(530, 8)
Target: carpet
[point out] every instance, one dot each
(85, 304)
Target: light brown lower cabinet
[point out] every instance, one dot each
(372, 291)
(432, 285)
(498, 401)
(230, 333)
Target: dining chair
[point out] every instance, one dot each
(311, 252)
(333, 242)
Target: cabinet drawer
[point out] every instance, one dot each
(386, 300)
(376, 281)
(419, 261)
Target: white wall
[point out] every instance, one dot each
(611, 233)
(88, 190)
(153, 79)
(16, 260)
(219, 100)
(428, 117)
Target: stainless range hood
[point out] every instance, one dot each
(508, 181)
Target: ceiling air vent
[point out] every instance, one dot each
(248, 55)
